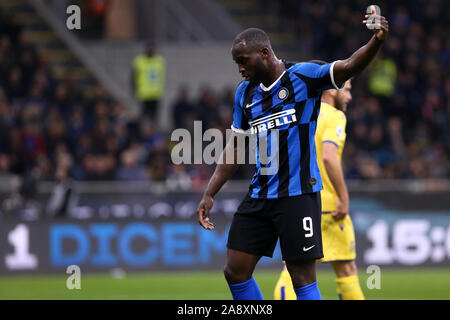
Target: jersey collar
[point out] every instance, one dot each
(264, 88)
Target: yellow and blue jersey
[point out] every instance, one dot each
(338, 236)
(330, 129)
(291, 105)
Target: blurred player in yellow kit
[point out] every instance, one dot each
(338, 236)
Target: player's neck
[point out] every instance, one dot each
(277, 69)
(328, 102)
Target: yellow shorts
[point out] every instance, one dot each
(338, 239)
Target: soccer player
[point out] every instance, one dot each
(281, 99)
(337, 229)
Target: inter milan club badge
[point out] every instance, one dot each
(283, 93)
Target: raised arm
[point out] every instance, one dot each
(348, 68)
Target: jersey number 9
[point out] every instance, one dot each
(308, 227)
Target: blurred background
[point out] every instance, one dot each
(91, 91)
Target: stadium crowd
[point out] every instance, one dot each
(399, 119)
(397, 129)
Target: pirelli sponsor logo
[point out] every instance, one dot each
(273, 121)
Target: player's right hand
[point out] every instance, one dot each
(341, 209)
(382, 29)
(203, 212)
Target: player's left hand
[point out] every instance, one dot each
(341, 209)
(382, 26)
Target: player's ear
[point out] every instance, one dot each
(330, 92)
(335, 93)
(264, 53)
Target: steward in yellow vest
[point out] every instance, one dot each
(149, 73)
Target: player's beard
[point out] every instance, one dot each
(261, 73)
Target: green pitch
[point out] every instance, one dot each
(395, 284)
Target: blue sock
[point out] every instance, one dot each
(248, 290)
(309, 292)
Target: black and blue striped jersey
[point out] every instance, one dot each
(290, 105)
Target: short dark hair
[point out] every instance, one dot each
(252, 37)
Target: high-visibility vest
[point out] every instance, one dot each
(149, 77)
(382, 77)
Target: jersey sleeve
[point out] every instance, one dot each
(335, 131)
(318, 77)
(240, 122)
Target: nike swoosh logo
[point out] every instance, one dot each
(249, 105)
(306, 249)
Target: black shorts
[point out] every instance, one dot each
(258, 223)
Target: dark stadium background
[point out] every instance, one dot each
(87, 179)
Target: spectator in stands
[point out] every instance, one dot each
(183, 110)
(130, 168)
(99, 166)
(405, 134)
(55, 130)
(150, 138)
(158, 164)
(208, 108)
(64, 196)
(15, 87)
(94, 16)
(178, 178)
